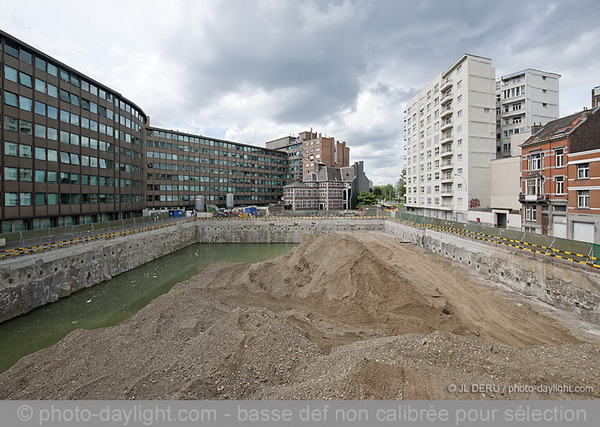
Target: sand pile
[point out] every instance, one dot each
(343, 316)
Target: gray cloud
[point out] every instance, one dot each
(255, 70)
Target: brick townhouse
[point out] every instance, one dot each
(560, 178)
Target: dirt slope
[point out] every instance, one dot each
(343, 316)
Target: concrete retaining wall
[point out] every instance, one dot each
(35, 280)
(32, 281)
(550, 280)
(278, 231)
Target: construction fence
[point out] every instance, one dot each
(571, 250)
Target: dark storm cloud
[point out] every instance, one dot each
(254, 70)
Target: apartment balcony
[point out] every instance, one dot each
(447, 152)
(446, 85)
(446, 125)
(446, 193)
(446, 206)
(446, 139)
(447, 110)
(447, 178)
(446, 165)
(533, 198)
(511, 113)
(447, 97)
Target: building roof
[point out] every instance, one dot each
(296, 185)
(559, 128)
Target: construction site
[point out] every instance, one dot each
(348, 314)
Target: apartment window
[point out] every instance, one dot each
(459, 84)
(535, 161)
(459, 142)
(459, 157)
(560, 184)
(583, 199)
(459, 98)
(534, 186)
(459, 171)
(559, 157)
(459, 68)
(583, 171)
(459, 113)
(531, 213)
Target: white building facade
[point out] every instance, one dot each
(523, 99)
(450, 140)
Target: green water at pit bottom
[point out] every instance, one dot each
(113, 301)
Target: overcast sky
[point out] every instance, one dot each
(250, 71)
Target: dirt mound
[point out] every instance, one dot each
(344, 316)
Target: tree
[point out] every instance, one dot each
(366, 198)
(401, 185)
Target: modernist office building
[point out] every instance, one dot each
(74, 151)
(71, 148)
(181, 165)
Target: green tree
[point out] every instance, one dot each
(366, 198)
(401, 185)
(386, 192)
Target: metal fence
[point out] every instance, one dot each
(573, 250)
(50, 235)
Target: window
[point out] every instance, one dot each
(459, 113)
(25, 175)
(11, 99)
(25, 151)
(25, 103)
(40, 108)
(559, 157)
(52, 155)
(40, 131)
(25, 79)
(583, 199)
(25, 199)
(40, 199)
(10, 123)
(11, 149)
(11, 199)
(40, 176)
(459, 99)
(52, 90)
(534, 186)
(535, 161)
(560, 184)
(583, 171)
(11, 174)
(10, 73)
(531, 213)
(459, 157)
(40, 64)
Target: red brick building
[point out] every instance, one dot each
(560, 178)
(321, 149)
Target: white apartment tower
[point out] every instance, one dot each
(450, 140)
(523, 99)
